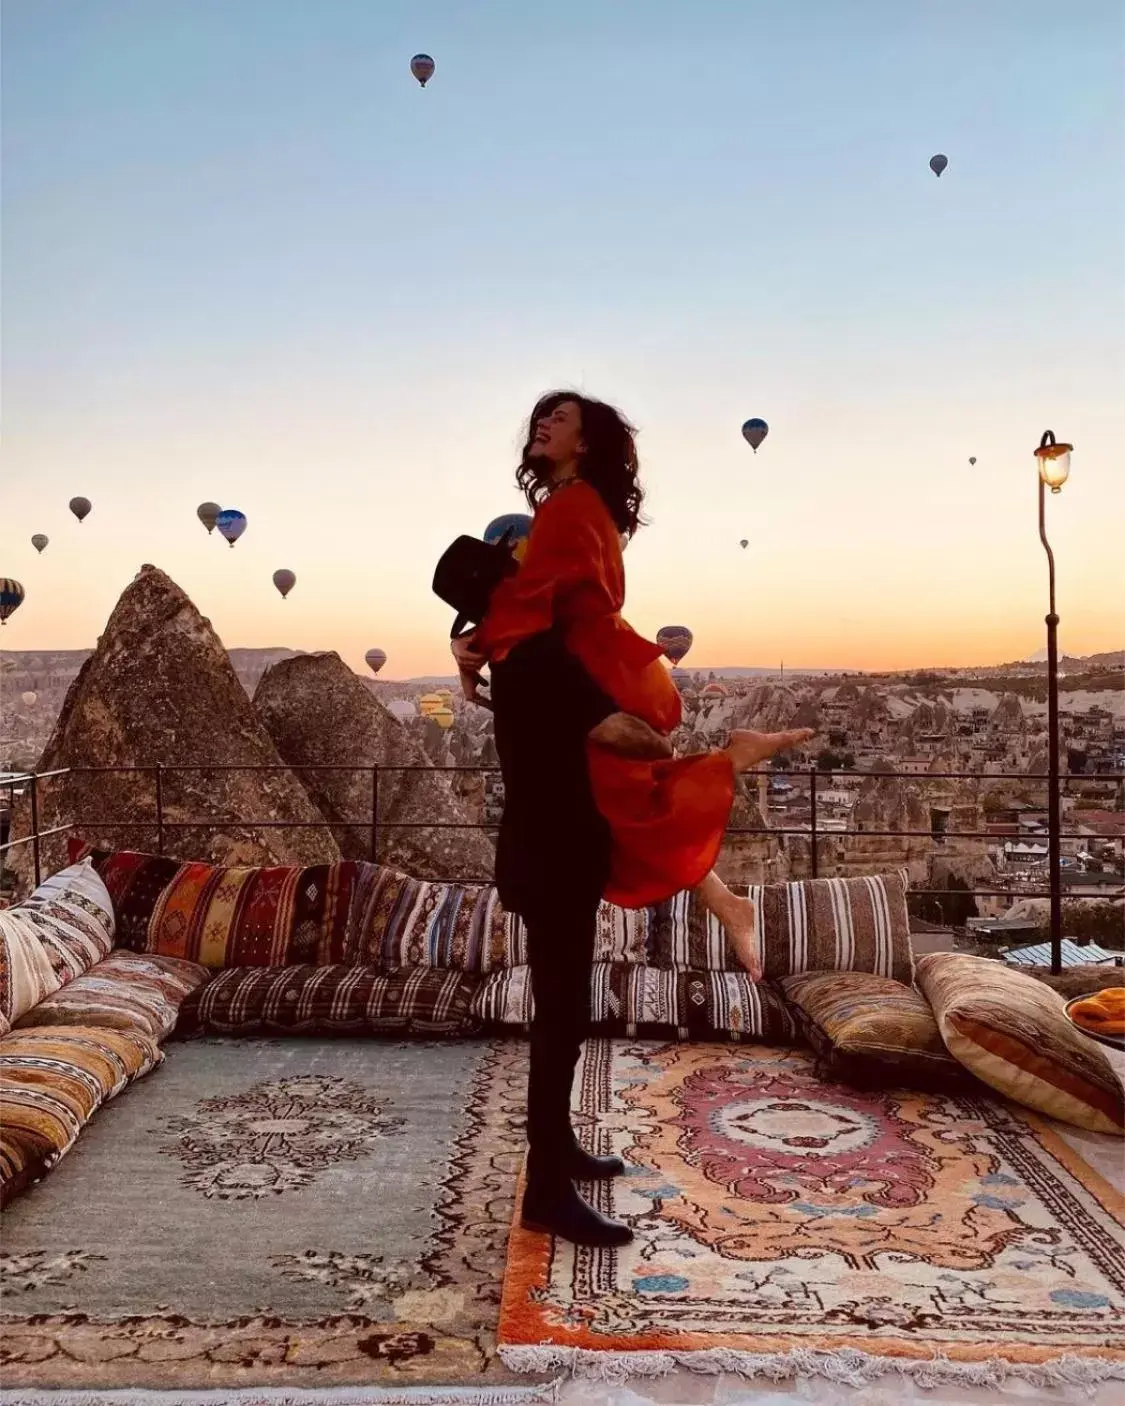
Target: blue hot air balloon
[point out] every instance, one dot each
(754, 431)
(11, 598)
(231, 524)
(938, 163)
(515, 526)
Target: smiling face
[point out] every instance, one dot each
(558, 435)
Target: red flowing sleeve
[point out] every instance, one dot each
(565, 563)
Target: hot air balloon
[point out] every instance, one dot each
(754, 431)
(745, 542)
(516, 527)
(11, 597)
(29, 698)
(972, 458)
(675, 641)
(208, 513)
(231, 524)
(39, 541)
(375, 659)
(938, 163)
(284, 581)
(81, 507)
(443, 717)
(422, 67)
(429, 704)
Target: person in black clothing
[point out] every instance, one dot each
(552, 861)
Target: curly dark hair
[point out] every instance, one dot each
(609, 463)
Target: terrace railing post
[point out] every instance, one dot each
(812, 820)
(36, 855)
(374, 815)
(159, 807)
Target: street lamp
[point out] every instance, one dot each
(1053, 462)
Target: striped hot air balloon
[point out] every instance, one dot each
(11, 598)
(675, 641)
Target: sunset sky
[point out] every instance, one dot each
(246, 258)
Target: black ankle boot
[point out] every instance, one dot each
(584, 1166)
(557, 1209)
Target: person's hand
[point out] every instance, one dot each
(470, 661)
(630, 737)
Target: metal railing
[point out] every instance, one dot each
(33, 783)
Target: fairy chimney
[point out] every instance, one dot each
(320, 714)
(159, 691)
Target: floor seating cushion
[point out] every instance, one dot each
(341, 999)
(223, 916)
(400, 921)
(1012, 1033)
(52, 1081)
(858, 924)
(653, 1003)
(125, 991)
(870, 1031)
(55, 935)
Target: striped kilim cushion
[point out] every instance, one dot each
(637, 1001)
(58, 933)
(1011, 1031)
(859, 924)
(228, 917)
(127, 991)
(341, 999)
(52, 1081)
(398, 921)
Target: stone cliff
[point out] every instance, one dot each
(160, 689)
(319, 713)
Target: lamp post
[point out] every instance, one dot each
(1053, 462)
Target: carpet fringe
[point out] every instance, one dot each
(847, 1367)
(289, 1396)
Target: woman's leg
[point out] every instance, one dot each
(739, 918)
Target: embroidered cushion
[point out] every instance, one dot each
(858, 924)
(56, 934)
(1011, 1032)
(341, 999)
(52, 1081)
(871, 1031)
(648, 1002)
(228, 917)
(126, 991)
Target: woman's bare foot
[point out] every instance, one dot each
(739, 917)
(747, 749)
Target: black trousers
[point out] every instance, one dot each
(560, 943)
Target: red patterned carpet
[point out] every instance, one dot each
(784, 1225)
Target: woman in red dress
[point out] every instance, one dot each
(666, 818)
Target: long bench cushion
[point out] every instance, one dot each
(859, 924)
(340, 999)
(55, 935)
(52, 1081)
(228, 917)
(1012, 1032)
(647, 1002)
(126, 991)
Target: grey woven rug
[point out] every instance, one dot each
(275, 1213)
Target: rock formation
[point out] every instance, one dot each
(319, 713)
(159, 689)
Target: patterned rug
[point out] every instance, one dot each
(787, 1226)
(275, 1213)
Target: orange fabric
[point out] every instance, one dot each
(667, 818)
